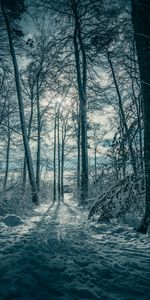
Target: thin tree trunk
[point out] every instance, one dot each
(95, 156)
(122, 147)
(54, 161)
(81, 81)
(141, 24)
(21, 111)
(29, 135)
(7, 156)
(139, 111)
(58, 153)
(140, 137)
(38, 161)
(79, 150)
(62, 164)
(24, 179)
(123, 119)
(124, 161)
(95, 162)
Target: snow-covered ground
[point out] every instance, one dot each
(55, 253)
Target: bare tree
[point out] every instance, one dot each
(21, 107)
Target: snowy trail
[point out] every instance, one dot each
(57, 254)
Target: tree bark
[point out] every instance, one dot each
(123, 119)
(79, 149)
(29, 135)
(62, 163)
(141, 24)
(54, 161)
(38, 161)
(7, 155)
(81, 69)
(58, 153)
(95, 156)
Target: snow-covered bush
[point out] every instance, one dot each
(16, 201)
(127, 195)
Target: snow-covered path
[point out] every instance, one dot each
(58, 254)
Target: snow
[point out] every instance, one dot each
(11, 220)
(57, 254)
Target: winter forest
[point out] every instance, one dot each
(74, 149)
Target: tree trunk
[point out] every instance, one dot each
(123, 119)
(81, 82)
(95, 156)
(29, 135)
(62, 164)
(7, 155)
(38, 161)
(58, 153)
(79, 150)
(141, 24)
(21, 111)
(139, 110)
(54, 161)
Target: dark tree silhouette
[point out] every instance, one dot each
(141, 24)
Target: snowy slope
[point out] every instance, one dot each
(57, 254)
